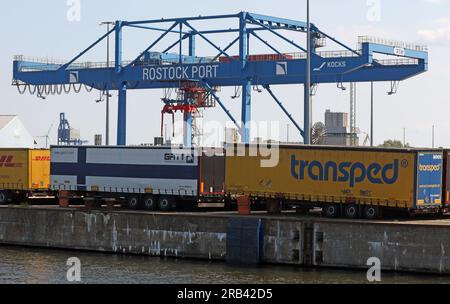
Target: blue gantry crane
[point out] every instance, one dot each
(163, 70)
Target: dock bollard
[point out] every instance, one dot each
(244, 205)
(64, 199)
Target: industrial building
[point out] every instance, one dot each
(13, 133)
(338, 131)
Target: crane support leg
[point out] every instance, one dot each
(122, 116)
(118, 48)
(187, 134)
(246, 112)
(289, 115)
(192, 45)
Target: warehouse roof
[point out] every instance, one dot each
(5, 120)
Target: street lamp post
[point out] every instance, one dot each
(108, 24)
(404, 137)
(432, 136)
(308, 105)
(287, 133)
(371, 114)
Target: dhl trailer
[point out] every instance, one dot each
(24, 173)
(344, 182)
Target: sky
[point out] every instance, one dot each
(50, 29)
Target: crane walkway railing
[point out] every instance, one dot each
(394, 43)
(396, 62)
(33, 64)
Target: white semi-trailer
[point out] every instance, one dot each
(147, 178)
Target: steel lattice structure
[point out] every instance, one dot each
(151, 70)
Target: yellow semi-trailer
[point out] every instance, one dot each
(23, 173)
(350, 182)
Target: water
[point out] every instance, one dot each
(39, 266)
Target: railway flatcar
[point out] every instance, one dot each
(149, 178)
(24, 174)
(344, 182)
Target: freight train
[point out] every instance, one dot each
(342, 181)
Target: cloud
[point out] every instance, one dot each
(440, 34)
(351, 32)
(443, 21)
(435, 1)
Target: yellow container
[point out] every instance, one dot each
(24, 169)
(327, 175)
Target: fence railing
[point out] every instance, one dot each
(392, 62)
(30, 64)
(394, 43)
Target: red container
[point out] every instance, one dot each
(262, 57)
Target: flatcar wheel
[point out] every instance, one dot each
(331, 211)
(3, 197)
(133, 202)
(351, 211)
(149, 202)
(165, 203)
(372, 212)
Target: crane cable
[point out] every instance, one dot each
(66, 90)
(59, 89)
(47, 89)
(77, 90)
(40, 90)
(32, 92)
(55, 89)
(21, 92)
